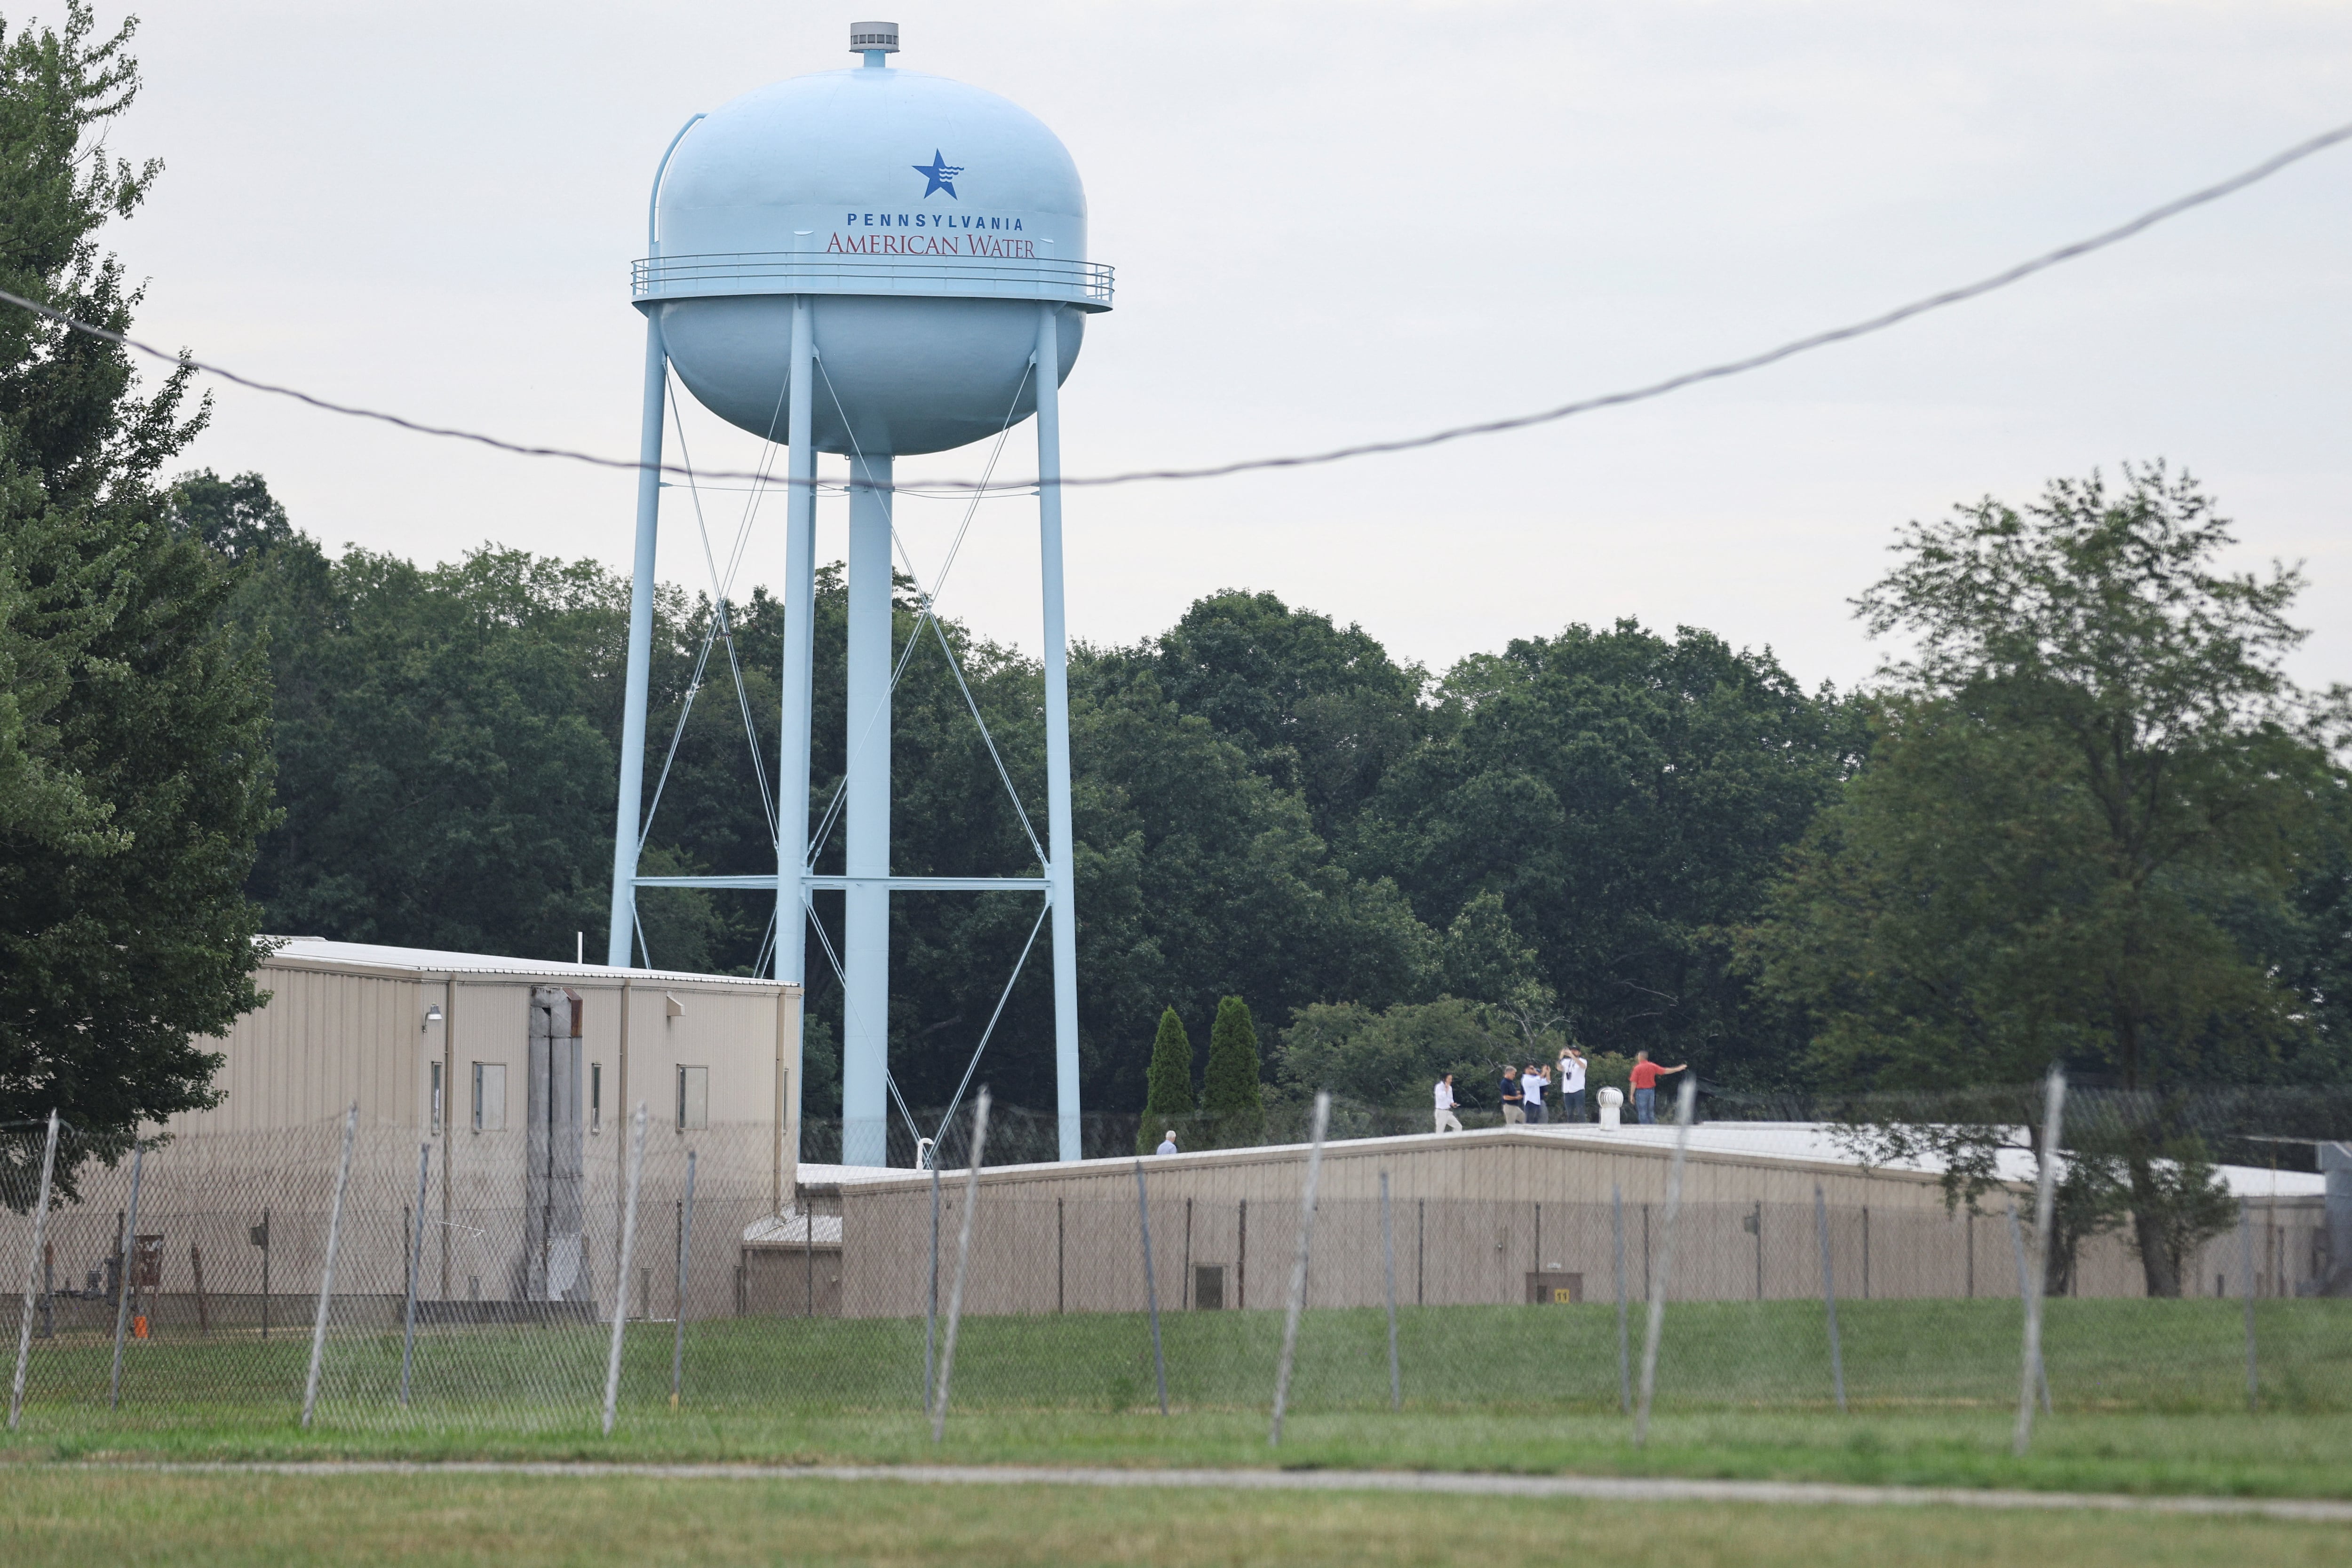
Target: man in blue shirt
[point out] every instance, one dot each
(1515, 1107)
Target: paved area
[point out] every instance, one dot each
(1599, 1489)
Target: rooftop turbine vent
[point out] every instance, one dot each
(874, 40)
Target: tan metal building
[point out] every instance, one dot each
(438, 1044)
(1508, 1213)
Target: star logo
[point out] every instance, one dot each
(941, 173)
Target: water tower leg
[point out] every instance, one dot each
(800, 652)
(1060, 876)
(865, 823)
(627, 814)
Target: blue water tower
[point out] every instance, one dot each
(874, 263)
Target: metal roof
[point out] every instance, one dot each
(318, 952)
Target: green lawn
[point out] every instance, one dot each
(77, 1515)
(2150, 1394)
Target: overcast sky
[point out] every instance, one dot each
(1331, 221)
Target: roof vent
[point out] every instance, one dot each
(874, 39)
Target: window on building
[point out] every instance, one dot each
(489, 1096)
(693, 1098)
(595, 1096)
(436, 1099)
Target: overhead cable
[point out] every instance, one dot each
(1862, 328)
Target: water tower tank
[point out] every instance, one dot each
(933, 216)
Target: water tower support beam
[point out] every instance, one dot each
(800, 651)
(629, 814)
(1061, 878)
(865, 821)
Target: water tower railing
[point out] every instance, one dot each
(1086, 284)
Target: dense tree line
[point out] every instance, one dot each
(1268, 806)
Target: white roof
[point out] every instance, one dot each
(1808, 1142)
(423, 960)
(815, 1175)
(1820, 1141)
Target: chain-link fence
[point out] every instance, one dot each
(363, 1278)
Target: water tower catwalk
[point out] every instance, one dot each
(873, 263)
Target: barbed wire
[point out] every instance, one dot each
(1729, 368)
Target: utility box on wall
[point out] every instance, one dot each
(1549, 1289)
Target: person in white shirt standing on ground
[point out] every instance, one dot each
(1571, 1084)
(1446, 1119)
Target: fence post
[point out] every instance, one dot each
(326, 1271)
(628, 1251)
(2017, 1245)
(1298, 1264)
(124, 1289)
(1388, 1274)
(415, 1266)
(685, 1247)
(963, 1260)
(33, 1272)
(2246, 1268)
(204, 1307)
(931, 1312)
(1624, 1345)
(1684, 1103)
(1151, 1288)
(2045, 1196)
(1829, 1295)
(267, 1241)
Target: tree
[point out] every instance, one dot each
(1232, 1098)
(1392, 1058)
(1168, 1095)
(1201, 878)
(236, 517)
(134, 767)
(1320, 711)
(2085, 784)
(1486, 959)
(1629, 797)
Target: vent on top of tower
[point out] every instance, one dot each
(873, 37)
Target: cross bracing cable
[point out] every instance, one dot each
(1861, 329)
(1045, 908)
(850, 1011)
(723, 624)
(720, 590)
(823, 831)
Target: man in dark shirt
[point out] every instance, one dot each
(1515, 1110)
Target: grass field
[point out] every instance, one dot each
(76, 1515)
(2150, 1394)
(2102, 1356)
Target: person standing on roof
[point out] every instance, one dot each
(1646, 1074)
(1531, 1092)
(1514, 1105)
(1446, 1119)
(1571, 1084)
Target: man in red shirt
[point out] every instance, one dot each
(1646, 1074)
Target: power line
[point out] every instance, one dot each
(1862, 328)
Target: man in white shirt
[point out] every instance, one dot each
(1445, 1117)
(1531, 1090)
(1571, 1084)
